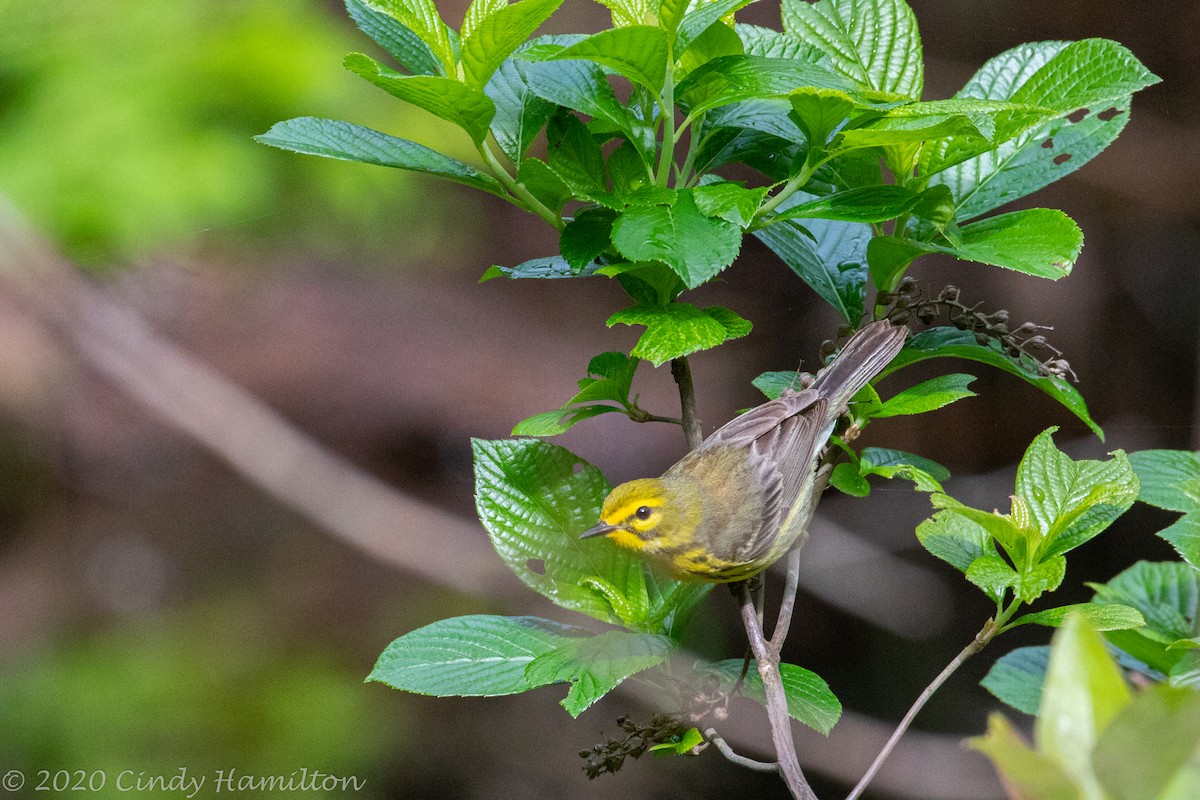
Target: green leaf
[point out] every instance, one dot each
(876, 457)
(554, 423)
(889, 463)
(820, 112)
(691, 738)
(847, 478)
(494, 39)
(1087, 72)
(729, 201)
(679, 329)
(772, 384)
(993, 575)
(399, 41)
(716, 41)
(830, 256)
(638, 52)
(1184, 536)
(696, 247)
(477, 655)
(1070, 501)
(609, 377)
(477, 12)
(1046, 576)
(520, 114)
(595, 665)
(1017, 677)
(421, 17)
(865, 204)
(465, 106)
(1167, 594)
(535, 499)
(889, 257)
(886, 131)
(954, 539)
(627, 12)
(809, 698)
(927, 396)
(950, 342)
(1170, 479)
(1152, 748)
(1001, 527)
(701, 18)
(731, 79)
(586, 236)
(1084, 691)
(1033, 774)
(574, 155)
(548, 267)
(545, 184)
(1037, 241)
(1095, 74)
(582, 86)
(768, 42)
(670, 13)
(874, 43)
(1107, 617)
(333, 138)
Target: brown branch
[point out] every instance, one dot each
(980, 641)
(681, 371)
(776, 699)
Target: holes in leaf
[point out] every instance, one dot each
(1109, 113)
(1049, 143)
(1062, 158)
(1078, 115)
(578, 468)
(536, 565)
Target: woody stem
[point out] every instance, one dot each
(682, 373)
(767, 658)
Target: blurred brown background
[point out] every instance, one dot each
(161, 609)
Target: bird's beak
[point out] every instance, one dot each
(600, 529)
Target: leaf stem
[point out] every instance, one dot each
(684, 176)
(767, 658)
(793, 184)
(741, 760)
(989, 631)
(666, 158)
(518, 189)
(681, 371)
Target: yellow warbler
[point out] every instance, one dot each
(744, 497)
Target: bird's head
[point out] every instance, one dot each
(641, 515)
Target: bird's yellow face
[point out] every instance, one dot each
(639, 515)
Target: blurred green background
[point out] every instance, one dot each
(157, 612)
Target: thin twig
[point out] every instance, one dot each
(749, 763)
(776, 700)
(787, 603)
(978, 643)
(681, 371)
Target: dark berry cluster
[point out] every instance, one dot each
(610, 754)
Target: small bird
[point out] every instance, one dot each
(737, 503)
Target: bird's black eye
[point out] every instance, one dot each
(643, 512)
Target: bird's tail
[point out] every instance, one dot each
(864, 356)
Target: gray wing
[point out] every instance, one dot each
(785, 436)
(784, 461)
